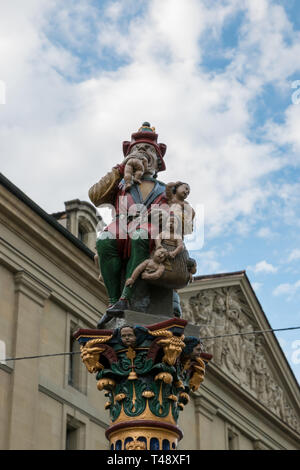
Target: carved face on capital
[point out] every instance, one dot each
(198, 349)
(148, 151)
(128, 336)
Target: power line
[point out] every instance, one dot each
(202, 338)
(252, 332)
(36, 357)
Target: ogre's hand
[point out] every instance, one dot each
(120, 167)
(126, 160)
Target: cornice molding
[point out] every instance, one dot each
(69, 299)
(74, 399)
(15, 260)
(8, 188)
(260, 445)
(205, 407)
(44, 233)
(32, 287)
(213, 283)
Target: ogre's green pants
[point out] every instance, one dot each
(111, 264)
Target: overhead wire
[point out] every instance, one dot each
(201, 339)
(251, 332)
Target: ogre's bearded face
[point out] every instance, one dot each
(148, 151)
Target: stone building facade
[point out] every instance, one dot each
(49, 287)
(250, 398)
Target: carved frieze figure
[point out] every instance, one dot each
(279, 403)
(187, 311)
(271, 391)
(234, 323)
(260, 368)
(219, 309)
(247, 358)
(207, 333)
(202, 307)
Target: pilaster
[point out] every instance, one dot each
(30, 297)
(205, 415)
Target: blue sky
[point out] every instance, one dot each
(215, 78)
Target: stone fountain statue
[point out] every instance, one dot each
(145, 209)
(147, 370)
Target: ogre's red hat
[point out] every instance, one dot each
(147, 134)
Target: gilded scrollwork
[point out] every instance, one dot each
(136, 445)
(90, 354)
(172, 345)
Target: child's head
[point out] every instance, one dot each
(181, 190)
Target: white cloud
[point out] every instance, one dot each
(287, 134)
(294, 255)
(114, 10)
(256, 286)
(287, 289)
(207, 262)
(263, 267)
(289, 203)
(63, 129)
(265, 232)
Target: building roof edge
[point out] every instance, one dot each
(44, 215)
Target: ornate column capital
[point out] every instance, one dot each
(148, 374)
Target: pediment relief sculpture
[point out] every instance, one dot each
(224, 311)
